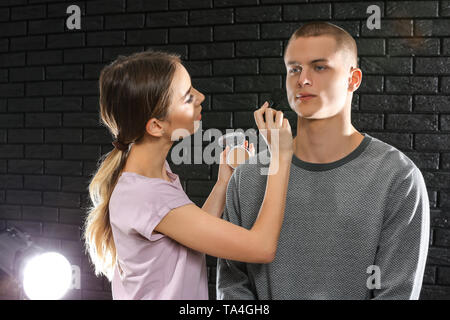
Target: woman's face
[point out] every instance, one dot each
(185, 110)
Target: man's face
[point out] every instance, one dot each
(314, 67)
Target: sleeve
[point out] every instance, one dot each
(163, 198)
(403, 247)
(232, 281)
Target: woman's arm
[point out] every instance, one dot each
(215, 204)
(196, 229)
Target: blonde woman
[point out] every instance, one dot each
(142, 231)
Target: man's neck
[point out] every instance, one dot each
(325, 140)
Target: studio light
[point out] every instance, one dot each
(42, 275)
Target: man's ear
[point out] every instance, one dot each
(154, 127)
(354, 79)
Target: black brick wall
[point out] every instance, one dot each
(50, 137)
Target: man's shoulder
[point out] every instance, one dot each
(254, 167)
(390, 158)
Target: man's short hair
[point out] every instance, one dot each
(344, 41)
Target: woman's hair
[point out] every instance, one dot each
(133, 89)
(344, 41)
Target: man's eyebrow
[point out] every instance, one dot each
(189, 90)
(311, 62)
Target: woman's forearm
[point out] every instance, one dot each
(215, 204)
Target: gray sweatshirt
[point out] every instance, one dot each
(357, 228)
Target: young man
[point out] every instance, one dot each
(357, 213)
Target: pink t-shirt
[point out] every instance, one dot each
(152, 266)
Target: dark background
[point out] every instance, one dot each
(51, 138)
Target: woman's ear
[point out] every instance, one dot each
(154, 127)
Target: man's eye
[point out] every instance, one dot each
(293, 70)
(323, 67)
(191, 98)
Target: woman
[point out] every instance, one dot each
(142, 231)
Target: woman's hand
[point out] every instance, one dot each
(225, 171)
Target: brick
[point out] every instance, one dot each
(216, 120)
(193, 4)
(43, 120)
(25, 136)
(371, 47)
(190, 34)
(43, 151)
(63, 135)
(60, 10)
(445, 8)
(446, 46)
(413, 47)
(258, 14)
(63, 167)
(144, 5)
(92, 71)
(45, 88)
(85, 87)
(11, 120)
(12, 90)
(26, 74)
(440, 218)
(66, 40)
(432, 28)
(212, 50)
(167, 19)
(81, 120)
(11, 181)
(443, 274)
(83, 55)
(415, 84)
(147, 37)
(259, 48)
(371, 84)
(445, 84)
(235, 67)
(75, 184)
(28, 43)
(433, 66)
(32, 228)
(12, 59)
(402, 141)
(236, 32)
(10, 212)
(444, 199)
(272, 66)
(9, 29)
(367, 121)
(25, 166)
(378, 65)
(71, 216)
(125, 21)
(439, 180)
(61, 199)
(445, 122)
(424, 160)
(44, 57)
(42, 182)
(431, 141)
(213, 85)
(92, 23)
(199, 188)
(412, 9)
(278, 30)
(412, 123)
(198, 68)
(214, 17)
(81, 152)
(28, 12)
(354, 10)
(61, 231)
(445, 163)
(113, 52)
(46, 26)
(442, 237)
(23, 197)
(96, 136)
(42, 214)
(302, 12)
(64, 72)
(235, 3)
(257, 83)
(105, 6)
(106, 38)
(390, 28)
(63, 104)
(432, 103)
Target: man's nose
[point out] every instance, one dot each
(303, 78)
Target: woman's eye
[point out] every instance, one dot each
(191, 98)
